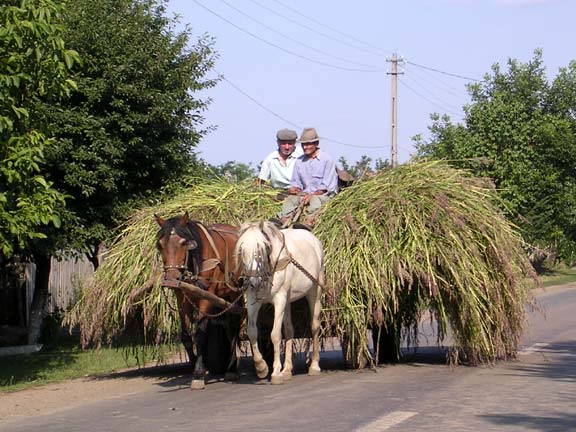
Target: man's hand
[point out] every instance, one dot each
(293, 190)
(306, 198)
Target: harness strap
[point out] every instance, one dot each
(212, 263)
(282, 263)
(209, 264)
(210, 240)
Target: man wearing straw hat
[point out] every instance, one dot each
(277, 168)
(314, 181)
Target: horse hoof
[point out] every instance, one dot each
(287, 375)
(197, 384)
(263, 372)
(314, 371)
(276, 379)
(231, 376)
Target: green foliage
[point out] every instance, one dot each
(34, 68)
(520, 131)
(131, 126)
(364, 167)
(233, 171)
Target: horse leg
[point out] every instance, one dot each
(314, 302)
(199, 375)
(276, 336)
(289, 338)
(186, 312)
(233, 330)
(253, 307)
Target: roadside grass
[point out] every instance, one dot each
(65, 361)
(558, 277)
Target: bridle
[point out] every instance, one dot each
(185, 272)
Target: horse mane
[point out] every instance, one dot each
(269, 230)
(188, 231)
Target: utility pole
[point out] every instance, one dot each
(394, 123)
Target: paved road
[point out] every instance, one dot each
(536, 392)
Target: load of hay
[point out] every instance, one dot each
(124, 300)
(420, 240)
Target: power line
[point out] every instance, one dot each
(427, 99)
(433, 80)
(442, 72)
(312, 29)
(279, 47)
(451, 108)
(297, 41)
(268, 110)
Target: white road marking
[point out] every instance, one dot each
(386, 422)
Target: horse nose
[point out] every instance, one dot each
(172, 272)
(254, 281)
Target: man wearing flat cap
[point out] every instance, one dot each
(277, 168)
(314, 180)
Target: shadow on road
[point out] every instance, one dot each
(558, 362)
(544, 423)
(177, 375)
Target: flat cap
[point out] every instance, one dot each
(286, 135)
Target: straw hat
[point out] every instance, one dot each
(309, 135)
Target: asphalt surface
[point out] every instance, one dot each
(535, 392)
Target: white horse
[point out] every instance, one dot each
(280, 267)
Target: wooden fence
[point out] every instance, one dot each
(65, 278)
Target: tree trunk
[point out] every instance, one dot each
(40, 299)
(93, 257)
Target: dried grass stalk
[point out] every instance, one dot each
(425, 237)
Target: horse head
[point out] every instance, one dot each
(256, 250)
(179, 243)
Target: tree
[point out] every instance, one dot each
(363, 167)
(233, 171)
(34, 67)
(132, 125)
(519, 130)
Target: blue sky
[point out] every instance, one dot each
(322, 63)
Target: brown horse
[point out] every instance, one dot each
(203, 256)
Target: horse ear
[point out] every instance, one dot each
(159, 220)
(184, 218)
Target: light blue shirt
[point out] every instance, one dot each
(275, 172)
(312, 174)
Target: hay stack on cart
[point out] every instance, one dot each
(424, 239)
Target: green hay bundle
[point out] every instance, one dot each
(424, 238)
(126, 288)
